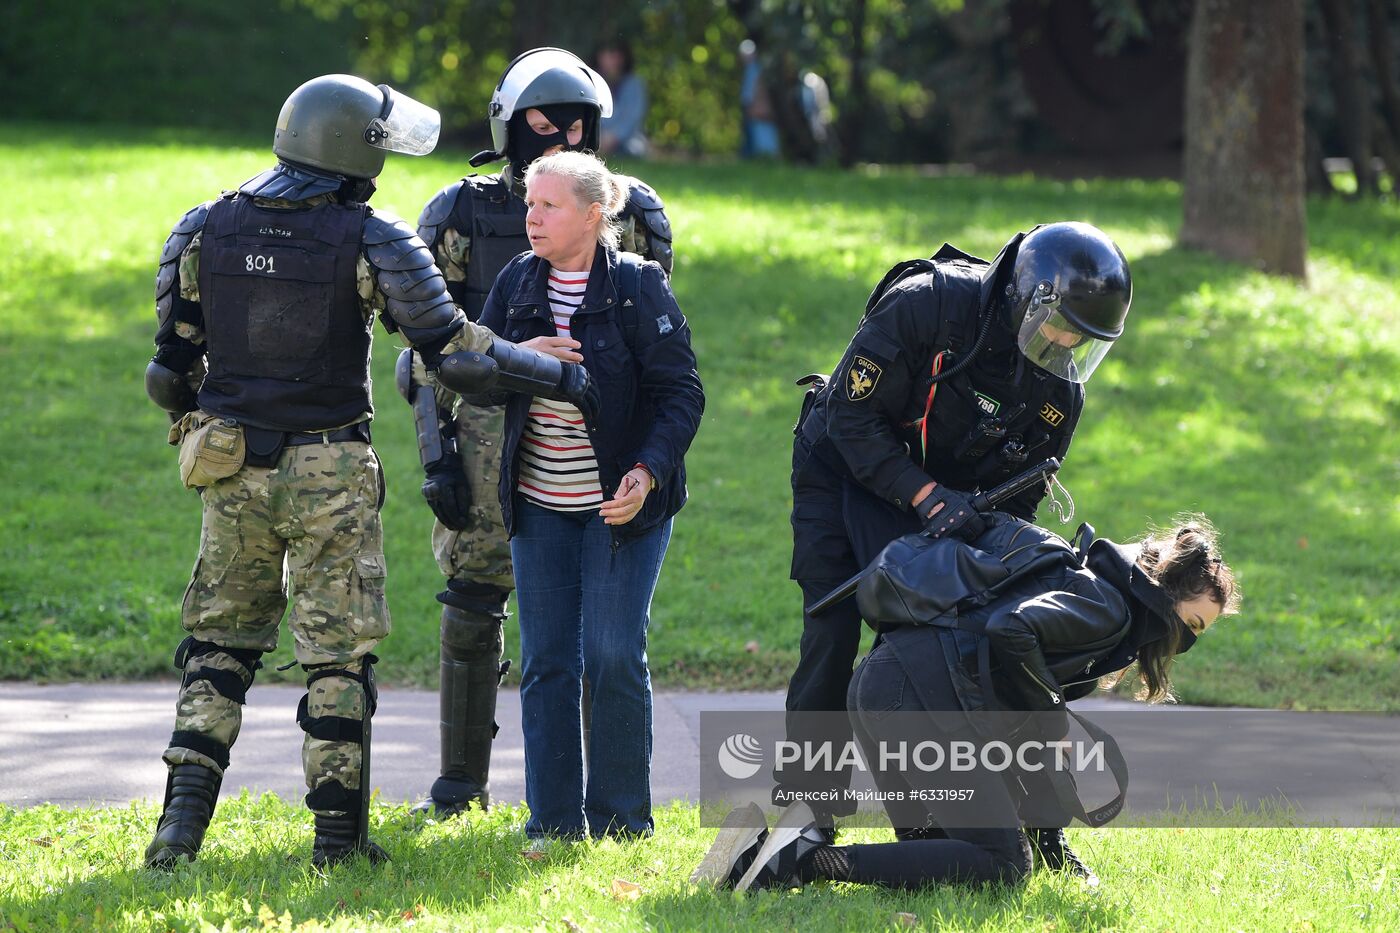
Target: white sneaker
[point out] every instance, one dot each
(740, 837)
(794, 836)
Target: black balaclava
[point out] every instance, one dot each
(526, 145)
(357, 190)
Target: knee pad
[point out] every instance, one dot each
(478, 598)
(227, 683)
(339, 728)
(471, 636)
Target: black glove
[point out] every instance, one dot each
(580, 390)
(957, 519)
(447, 491)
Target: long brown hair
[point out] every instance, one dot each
(1185, 562)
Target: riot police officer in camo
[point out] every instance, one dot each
(546, 100)
(961, 374)
(266, 299)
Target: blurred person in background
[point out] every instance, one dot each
(760, 133)
(622, 131)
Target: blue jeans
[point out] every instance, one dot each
(584, 607)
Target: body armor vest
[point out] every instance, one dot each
(997, 414)
(490, 213)
(288, 343)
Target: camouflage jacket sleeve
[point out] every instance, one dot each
(646, 230)
(179, 317)
(409, 293)
(449, 246)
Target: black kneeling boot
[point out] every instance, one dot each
(338, 838)
(190, 794)
(1055, 854)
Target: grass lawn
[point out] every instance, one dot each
(1271, 406)
(79, 870)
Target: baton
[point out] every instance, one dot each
(982, 502)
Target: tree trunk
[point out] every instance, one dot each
(1382, 59)
(1243, 188)
(853, 117)
(1349, 90)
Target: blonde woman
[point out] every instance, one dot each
(588, 503)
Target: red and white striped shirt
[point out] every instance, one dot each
(558, 468)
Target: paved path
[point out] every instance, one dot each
(79, 744)
(76, 744)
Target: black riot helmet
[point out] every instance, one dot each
(558, 84)
(344, 125)
(1067, 297)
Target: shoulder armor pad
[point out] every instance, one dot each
(194, 219)
(384, 227)
(412, 284)
(183, 231)
(641, 196)
(437, 211)
(646, 206)
(168, 270)
(405, 253)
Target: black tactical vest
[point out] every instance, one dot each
(1001, 413)
(490, 213)
(288, 343)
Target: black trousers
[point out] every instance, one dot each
(998, 853)
(838, 527)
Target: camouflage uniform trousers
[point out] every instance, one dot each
(479, 553)
(317, 512)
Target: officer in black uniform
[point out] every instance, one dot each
(547, 99)
(961, 373)
(266, 298)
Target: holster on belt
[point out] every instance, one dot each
(814, 382)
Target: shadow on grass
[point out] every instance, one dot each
(241, 875)
(829, 906)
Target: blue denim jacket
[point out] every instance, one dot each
(652, 399)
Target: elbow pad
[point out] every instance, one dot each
(505, 366)
(169, 390)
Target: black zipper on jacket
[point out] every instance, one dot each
(1054, 697)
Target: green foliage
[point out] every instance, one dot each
(1268, 405)
(150, 62)
(80, 870)
(451, 54)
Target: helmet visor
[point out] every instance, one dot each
(408, 126)
(1055, 344)
(529, 66)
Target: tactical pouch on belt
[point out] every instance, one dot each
(264, 446)
(211, 448)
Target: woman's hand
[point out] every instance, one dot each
(627, 501)
(563, 348)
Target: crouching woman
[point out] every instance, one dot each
(1057, 621)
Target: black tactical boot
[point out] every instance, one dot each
(1055, 854)
(190, 794)
(338, 838)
